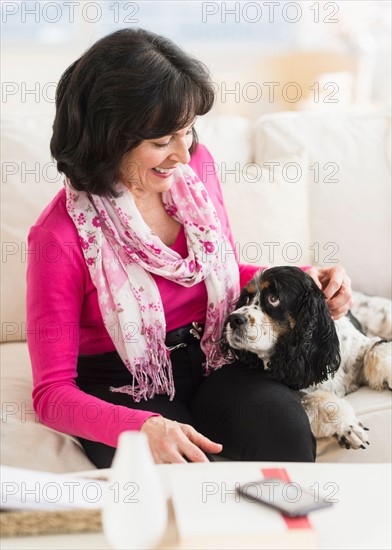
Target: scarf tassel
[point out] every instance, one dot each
(152, 373)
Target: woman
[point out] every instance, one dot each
(132, 289)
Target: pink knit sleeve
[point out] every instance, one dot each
(206, 168)
(55, 293)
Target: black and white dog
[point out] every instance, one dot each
(281, 324)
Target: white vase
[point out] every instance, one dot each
(135, 511)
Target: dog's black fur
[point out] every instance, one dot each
(306, 349)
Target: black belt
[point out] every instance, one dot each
(182, 336)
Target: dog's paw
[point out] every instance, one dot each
(378, 366)
(352, 436)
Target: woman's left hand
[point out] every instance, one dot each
(336, 286)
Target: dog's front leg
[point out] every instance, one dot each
(331, 416)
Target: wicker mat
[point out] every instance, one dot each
(14, 524)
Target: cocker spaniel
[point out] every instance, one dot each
(281, 324)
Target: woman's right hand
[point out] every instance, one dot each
(171, 441)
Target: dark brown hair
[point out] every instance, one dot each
(129, 86)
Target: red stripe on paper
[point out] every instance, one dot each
(292, 523)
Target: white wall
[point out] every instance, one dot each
(243, 54)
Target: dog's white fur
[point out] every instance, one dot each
(364, 361)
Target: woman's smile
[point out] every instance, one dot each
(163, 172)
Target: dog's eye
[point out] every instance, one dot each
(273, 300)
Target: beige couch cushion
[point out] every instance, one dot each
(269, 215)
(25, 442)
(229, 139)
(374, 411)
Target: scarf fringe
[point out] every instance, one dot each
(152, 373)
(217, 358)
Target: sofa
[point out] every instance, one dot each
(300, 187)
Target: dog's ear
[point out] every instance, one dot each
(310, 351)
(249, 359)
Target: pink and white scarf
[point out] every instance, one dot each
(121, 251)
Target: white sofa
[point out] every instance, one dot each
(331, 204)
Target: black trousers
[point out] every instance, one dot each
(254, 418)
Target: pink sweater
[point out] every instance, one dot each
(64, 319)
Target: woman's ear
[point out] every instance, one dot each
(309, 353)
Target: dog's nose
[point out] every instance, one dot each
(236, 320)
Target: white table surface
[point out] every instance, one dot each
(361, 519)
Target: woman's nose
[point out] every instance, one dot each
(180, 152)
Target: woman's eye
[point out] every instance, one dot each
(273, 300)
(163, 145)
(160, 145)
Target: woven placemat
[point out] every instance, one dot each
(14, 524)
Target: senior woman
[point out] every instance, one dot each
(137, 272)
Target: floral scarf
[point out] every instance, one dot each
(121, 251)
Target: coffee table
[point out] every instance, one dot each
(359, 519)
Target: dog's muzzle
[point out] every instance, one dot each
(237, 320)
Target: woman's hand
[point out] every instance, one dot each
(336, 286)
(170, 441)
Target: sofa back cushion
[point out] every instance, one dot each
(268, 209)
(349, 192)
(29, 181)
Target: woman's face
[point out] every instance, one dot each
(149, 167)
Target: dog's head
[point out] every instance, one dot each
(282, 324)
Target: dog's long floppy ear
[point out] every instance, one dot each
(310, 351)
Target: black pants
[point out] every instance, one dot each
(254, 418)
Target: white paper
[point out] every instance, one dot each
(23, 489)
(207, 503)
